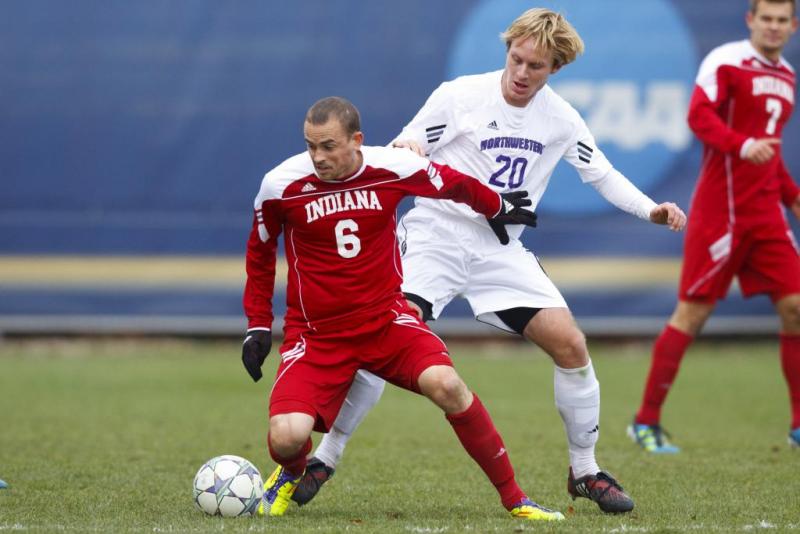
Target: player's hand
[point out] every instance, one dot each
(761, 151)
(255, 348)
(415, 308)
(410, 144)
(669, 214)
(512, 212)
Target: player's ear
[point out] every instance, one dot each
(358, 139)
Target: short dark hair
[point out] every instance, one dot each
(342, 110)
(754, 4)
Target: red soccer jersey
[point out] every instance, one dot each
(740, 95)
(340, 240)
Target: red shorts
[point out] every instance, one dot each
(316, 370)
(762, 254)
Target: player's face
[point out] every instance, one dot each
(771, 26)
(335, 154)
(527, 70)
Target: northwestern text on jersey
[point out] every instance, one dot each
(512, 142)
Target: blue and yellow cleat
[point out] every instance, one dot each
(278, 490)
(651, 438)
(794, 438)
(527, 509)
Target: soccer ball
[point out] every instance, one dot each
(229, 486)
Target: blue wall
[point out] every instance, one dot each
(145, 127)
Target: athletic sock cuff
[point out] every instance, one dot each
(678, 335)
(462, 418)
(573, 370)
(304, 450)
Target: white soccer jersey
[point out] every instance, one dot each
(467, 124)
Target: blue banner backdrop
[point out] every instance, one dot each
(144, 128)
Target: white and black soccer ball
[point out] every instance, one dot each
(229, 486)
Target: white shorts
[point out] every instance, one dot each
(445, 257)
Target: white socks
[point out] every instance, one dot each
(363, 395)
(577, 394)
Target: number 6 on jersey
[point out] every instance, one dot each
(347, 243)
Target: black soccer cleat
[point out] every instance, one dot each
(317, 474)
(602, 489)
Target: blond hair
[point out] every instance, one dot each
(550, 31)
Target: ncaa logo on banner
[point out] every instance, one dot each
(632, 85)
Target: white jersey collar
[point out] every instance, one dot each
(763, 59)
(515, 115)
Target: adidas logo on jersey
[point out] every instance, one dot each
(308, 187)
(493, 125)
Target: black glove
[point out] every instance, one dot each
(512, 212)
(254, 351)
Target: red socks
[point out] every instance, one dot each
(476, 432)
(668, 352)
(294, 466)
(790, 363)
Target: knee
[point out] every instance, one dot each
(791, 321)
(571, 352)
(689, 317)
(789, 311)
(445, 388)
(448, 388)
(284, 441)
(452, 388)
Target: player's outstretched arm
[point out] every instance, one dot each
(670, 215)
(512, 211)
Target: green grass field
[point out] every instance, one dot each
(105, 436)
